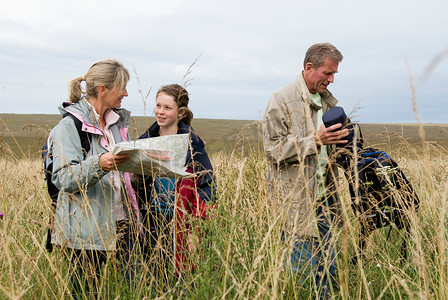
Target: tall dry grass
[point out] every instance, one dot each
(242, 255)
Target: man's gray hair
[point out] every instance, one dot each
(317, 53)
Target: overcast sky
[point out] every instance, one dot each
(241, 51)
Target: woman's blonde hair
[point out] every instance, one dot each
(180, 96)
(107, 72)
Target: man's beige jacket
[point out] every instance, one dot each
(289, 127)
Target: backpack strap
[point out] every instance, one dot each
(83, 136)
(47, 156)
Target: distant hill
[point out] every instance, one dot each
(27, 133)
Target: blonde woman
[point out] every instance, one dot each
(96, 203)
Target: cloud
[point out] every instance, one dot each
(246, 50)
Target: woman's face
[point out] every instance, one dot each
(114, 96)
(166, 111)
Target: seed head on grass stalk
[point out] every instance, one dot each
(186, 82)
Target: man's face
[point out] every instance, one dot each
(318, 79)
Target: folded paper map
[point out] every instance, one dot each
(163, 156)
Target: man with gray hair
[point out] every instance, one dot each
(300, 175)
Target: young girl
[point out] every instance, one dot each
(173, 117)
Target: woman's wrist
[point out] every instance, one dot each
(99, 162)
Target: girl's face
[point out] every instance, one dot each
(167, 112)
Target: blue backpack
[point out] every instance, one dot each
(47, 157)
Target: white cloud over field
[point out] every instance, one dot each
(245, 50)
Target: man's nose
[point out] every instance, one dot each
(331, 78)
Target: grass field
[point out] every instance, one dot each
(24, 135)
(27, 133)
(243, 256)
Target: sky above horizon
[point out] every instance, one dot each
(232, 55)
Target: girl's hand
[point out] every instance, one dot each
(192, 242)
(108, 161)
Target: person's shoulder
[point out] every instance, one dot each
(284, 91)
(67, 120)
(65, 128)
(195, 139)
(281, 96)
(184, 128)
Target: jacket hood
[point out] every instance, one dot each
(82, 111)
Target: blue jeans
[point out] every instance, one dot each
(314, 257)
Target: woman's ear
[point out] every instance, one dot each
(101, 89)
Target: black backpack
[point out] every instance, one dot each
(380, 192)
(381, 195)
(47, 156)
(384, 193)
